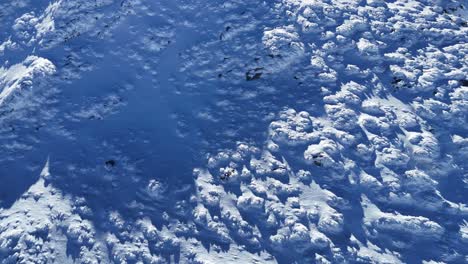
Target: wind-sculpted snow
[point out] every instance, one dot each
(287, 131)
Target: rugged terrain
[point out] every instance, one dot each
(283, 131)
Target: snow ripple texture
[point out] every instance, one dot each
(285, 131)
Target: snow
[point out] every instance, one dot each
(288, 131)
(22, 75)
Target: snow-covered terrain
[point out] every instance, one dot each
(196, 131)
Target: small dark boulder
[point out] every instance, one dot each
(110, 163)
(253, 74)
(226, 175)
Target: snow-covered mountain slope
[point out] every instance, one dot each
(190, 131)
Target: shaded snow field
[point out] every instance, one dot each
(287, 131)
